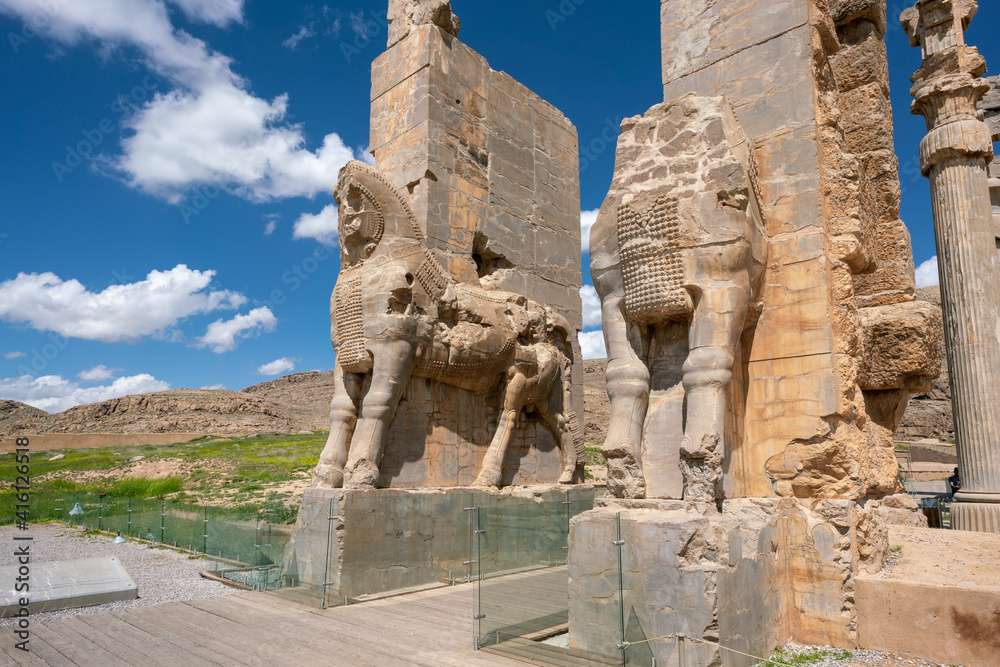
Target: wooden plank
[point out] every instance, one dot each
(79, 650)
(11, 655)
(215, 655)
(315, 635)
(116, 646)
(176, 619)
(369, 635)
(44, 651)
(155, 650)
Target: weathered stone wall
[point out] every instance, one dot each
(458, 425)
(492, 174)
(756, 575)
(807, 79)
(388, 539)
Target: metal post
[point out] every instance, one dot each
(681, 661)
(621, 586)
(329, 538)
(163, 521)
(128, 531)
(100, 513)
(204, 543)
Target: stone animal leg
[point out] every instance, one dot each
(556, 421)
(514, 401)
(393, 366)
(628, 389)
(715, 333)
(329, 473)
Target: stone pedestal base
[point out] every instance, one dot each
(756, 575)
(978, 517)
(362, 543)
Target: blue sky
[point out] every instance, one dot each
(168, 165)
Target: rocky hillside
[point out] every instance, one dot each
(18, 418)
(304, 396)
(290, 404)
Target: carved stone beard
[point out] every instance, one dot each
(361, 225)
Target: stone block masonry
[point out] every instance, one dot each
(808, 80)
(491, 172)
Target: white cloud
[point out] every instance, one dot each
(209, 130)
(591, 307)
(278, 366)
(223, 136)
(54, 394)
(272, 224)
(98, 373)
(119, 313)
(215, 386)
(927, 273)
(592, 345)
(304, 33)
(16, 354)
(217, 12)
(222, 335)
(587, 220)
(321, 226)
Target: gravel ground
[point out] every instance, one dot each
(824, 656)
(162, 575)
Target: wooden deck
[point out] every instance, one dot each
(431, 628)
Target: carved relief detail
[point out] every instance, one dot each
(652, 263)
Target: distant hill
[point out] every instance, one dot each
(290, 404)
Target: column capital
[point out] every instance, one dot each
(947, 87)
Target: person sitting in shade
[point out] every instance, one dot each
(954, 484)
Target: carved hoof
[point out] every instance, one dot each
(706, 447)
(567, 477)
(625, 479)
(364, 475)
(488, 477)
(327, 477)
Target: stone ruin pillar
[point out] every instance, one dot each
(990, 106)
(746, 517)
(954, 156)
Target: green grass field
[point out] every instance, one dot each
(239, 474)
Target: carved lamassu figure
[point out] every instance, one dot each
(397, 314)
(677, 257)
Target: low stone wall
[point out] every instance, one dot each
(940, 601)
(756, 575)
(390, 539)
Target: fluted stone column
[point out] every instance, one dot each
(954, 156)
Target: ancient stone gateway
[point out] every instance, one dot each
(488, 174)
(678, 262)
(396, 314)
(750, 445)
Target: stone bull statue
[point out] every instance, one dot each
(677, 257)
(396, 314)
